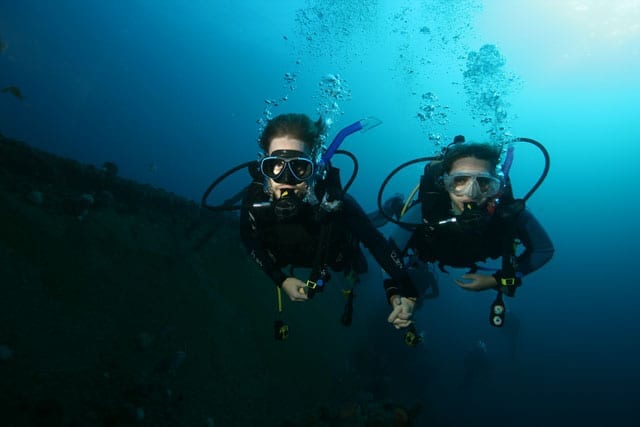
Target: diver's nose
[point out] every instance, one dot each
(473, 190)
(287, 176)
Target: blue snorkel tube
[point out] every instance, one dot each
(363, 125)
(508, 161)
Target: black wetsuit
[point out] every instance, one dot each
(274, 243)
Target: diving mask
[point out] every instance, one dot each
(472, 184)
(287, 167)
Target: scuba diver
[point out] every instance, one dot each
(295, 213)
(466, 213)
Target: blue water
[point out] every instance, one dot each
(173, 93)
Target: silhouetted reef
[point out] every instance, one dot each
(124, 304)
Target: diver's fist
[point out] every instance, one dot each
(402, 311)
(295, 288)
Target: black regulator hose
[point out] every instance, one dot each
(254, 163)
(386, 181)
(355, 169)
(215, 183)
(543, 175)
(547, 165)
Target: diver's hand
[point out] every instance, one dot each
(295, 288)
(400, 317)
(477, 282)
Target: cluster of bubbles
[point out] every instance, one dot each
(433, 117)
(331, 29)
(487, 85)
(428, 34)
(270, 104)
(430, 31)
(332, 91)
(328, 30)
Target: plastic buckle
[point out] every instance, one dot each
(508, 281)
(313, 285)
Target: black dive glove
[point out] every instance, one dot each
(507, 283)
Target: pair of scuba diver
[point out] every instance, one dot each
(296, 214)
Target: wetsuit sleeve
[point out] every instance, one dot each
(538, 247)
(385, 254)
(251, 237)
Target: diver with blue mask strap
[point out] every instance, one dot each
(299, 232)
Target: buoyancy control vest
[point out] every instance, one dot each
(301, 239)
(456, 240)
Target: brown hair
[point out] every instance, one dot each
(483, 151)
(298, 126)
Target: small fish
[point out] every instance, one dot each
(13, 90)
(3, 46)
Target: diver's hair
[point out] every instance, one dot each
(483, 151)
(298, 126)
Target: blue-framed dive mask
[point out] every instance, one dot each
(287, 167)
(472, 184)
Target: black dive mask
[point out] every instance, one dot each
(474, 218)
(288, 205)
(287, 167)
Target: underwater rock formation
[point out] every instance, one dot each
(124, 304)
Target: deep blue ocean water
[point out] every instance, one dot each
(174, 93)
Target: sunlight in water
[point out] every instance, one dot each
(601, 33)
(613, 21)
(567, 35)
